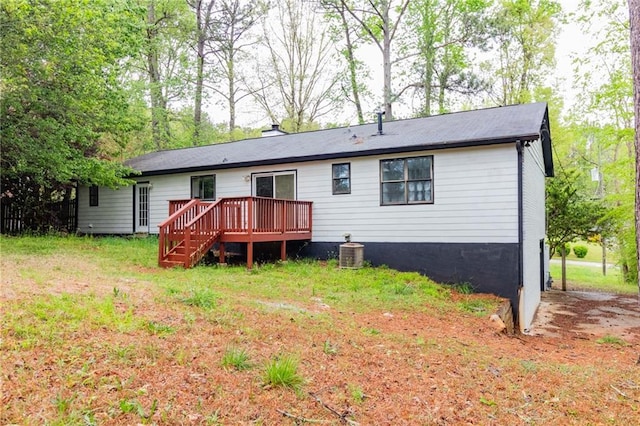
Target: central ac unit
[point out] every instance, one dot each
(351, 255)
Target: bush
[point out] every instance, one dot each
(580, 251)
(567, 248)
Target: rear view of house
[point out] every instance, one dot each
(458, 197)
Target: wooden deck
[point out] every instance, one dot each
(194, 226)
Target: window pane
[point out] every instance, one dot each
(208, 188)
(340, 171)
(285, 187)
(195, 187)
(419, 168)
(93, 196)
(393, 193)
(392, 170)
(341, 186)
(419, 191)
(264, 186)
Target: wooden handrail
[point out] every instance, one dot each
(172, 224)
(195, 226)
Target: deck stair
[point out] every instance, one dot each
(194, 226)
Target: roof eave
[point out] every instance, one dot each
(347, 154)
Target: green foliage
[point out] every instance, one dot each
(463, 288)
(580, 251)
(329, 348)
(524, 33)
(611, 340)
(236, 358)
(61, 98)
(201, 298)
(604, 116)
(357, 394)
(570, 213)
(445, 30)
(282, 371)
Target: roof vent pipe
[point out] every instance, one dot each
(380, 114)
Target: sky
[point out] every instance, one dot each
(571, 43)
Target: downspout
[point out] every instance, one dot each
(133, 221)
(520, 150)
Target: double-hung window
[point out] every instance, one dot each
(406, 180)
(203, 187)
(341, 174)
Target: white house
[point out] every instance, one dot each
(458, 197)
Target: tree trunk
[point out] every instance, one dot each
(159, 121)
(634, 19)
(351, 60)
(386, 61)
(197, 108)
(604, 257)
(232, 94)
(563, 251)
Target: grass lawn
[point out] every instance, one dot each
(589, 277)
(94, 333)
(594, 253)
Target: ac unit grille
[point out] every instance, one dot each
(351, 255)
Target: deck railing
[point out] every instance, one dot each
(196, 225)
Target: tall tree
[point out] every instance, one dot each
(297, 84)
(61, 97)
(203, 10)
(524, 32)
(230, 38)
(605, 114)
(166, 62)
(570, 214)
(348, 38)
(634, 19)
(380, 20)
(444, 30)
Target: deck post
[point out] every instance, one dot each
(284, 217)
(187, 248)
(221, 253)
(249, 255)
(283, 250)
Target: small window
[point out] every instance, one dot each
(341, 174)
(93, 196)
(203, 187)
(406, 181)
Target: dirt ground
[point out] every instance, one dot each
(587, 314)
(390, 368)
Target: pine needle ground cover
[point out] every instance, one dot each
(94, 333)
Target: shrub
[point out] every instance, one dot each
(567, 248)
(580, 251)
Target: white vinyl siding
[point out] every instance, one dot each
(474, 192)
(533, 230)
(475, 200)
(112, 215)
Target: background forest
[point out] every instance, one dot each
(85, 85)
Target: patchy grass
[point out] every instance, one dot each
(236, 358)
(282, 371)
(94, 333)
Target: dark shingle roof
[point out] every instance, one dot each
(470, 128)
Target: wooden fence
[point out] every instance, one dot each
(60, 216)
